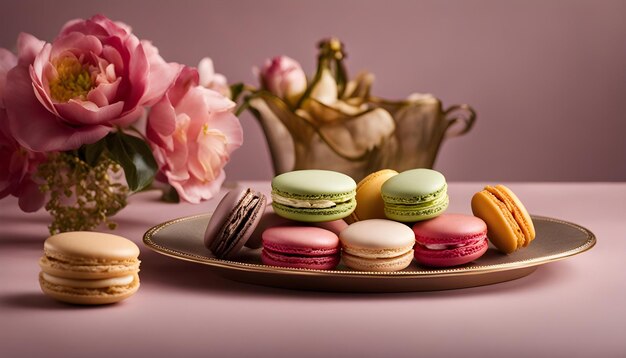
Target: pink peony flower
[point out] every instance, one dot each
(94, 76)
(193, 131)
(284, 77)
(17, 164)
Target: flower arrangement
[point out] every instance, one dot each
(97, 115)
(332, 121)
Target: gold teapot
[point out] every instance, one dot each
(356, 133)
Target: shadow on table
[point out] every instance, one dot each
(38, 301)
(164, 271)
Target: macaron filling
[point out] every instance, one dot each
(77, 283)
(378, 264)
(294, 261)
(510, 219)
(296, 203)
(376, 253)
(312, 201)
(440, 247)
(427, 199)
(291, 250)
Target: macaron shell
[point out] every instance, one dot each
(314, 184)
(90, 248)
(87, 296)
(453, 257)
(378, 265)
(370, 204)
(420, 212)
(502, 229)
(271, 219)
(450, 229)
(305, 262)
(301, 240)
(414, 186)
(518, 210)
(377, 234)
(233, 222)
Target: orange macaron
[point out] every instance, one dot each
(369, 201)
(509, 226)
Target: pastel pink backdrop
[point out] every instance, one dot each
(547, 78)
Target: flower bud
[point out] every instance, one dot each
(212, 80)
(325, 90)
(284, 77)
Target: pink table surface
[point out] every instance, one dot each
(570, 308)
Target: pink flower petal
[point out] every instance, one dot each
(113, 56)
(187, 78)
(76, 43)
(129, 117)
(162, 119)
(36, 128)
(210, 155)
(28, 46)
(194, 105)
(31, 198)
(82, 113)
(138, 70)
(7, 61)
(217, 101)
(229, 124)
(42, 87)
(87, 27)
(194, 191)
(104, 93)
(161, 74)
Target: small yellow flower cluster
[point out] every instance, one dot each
(81, 196)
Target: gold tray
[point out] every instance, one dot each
(556, 239)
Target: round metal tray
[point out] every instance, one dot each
(556, 239)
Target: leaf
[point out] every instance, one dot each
(170, 195)
(135, 157)
(236, 90)
(92, 152)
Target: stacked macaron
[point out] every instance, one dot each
(313, 195)
(233, 222)
(377, 245)
(89, 268)
(509, 225)
(415, 195)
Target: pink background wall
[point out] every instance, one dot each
(547, 78)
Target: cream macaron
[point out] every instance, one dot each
(377, 245)
(89, 268)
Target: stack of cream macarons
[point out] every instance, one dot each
(89, 268)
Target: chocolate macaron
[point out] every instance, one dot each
(233, 222)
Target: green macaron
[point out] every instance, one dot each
(415, 195)
(313, 195)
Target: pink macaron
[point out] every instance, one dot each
(300, 247)
(271, 219)
(450, 240)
